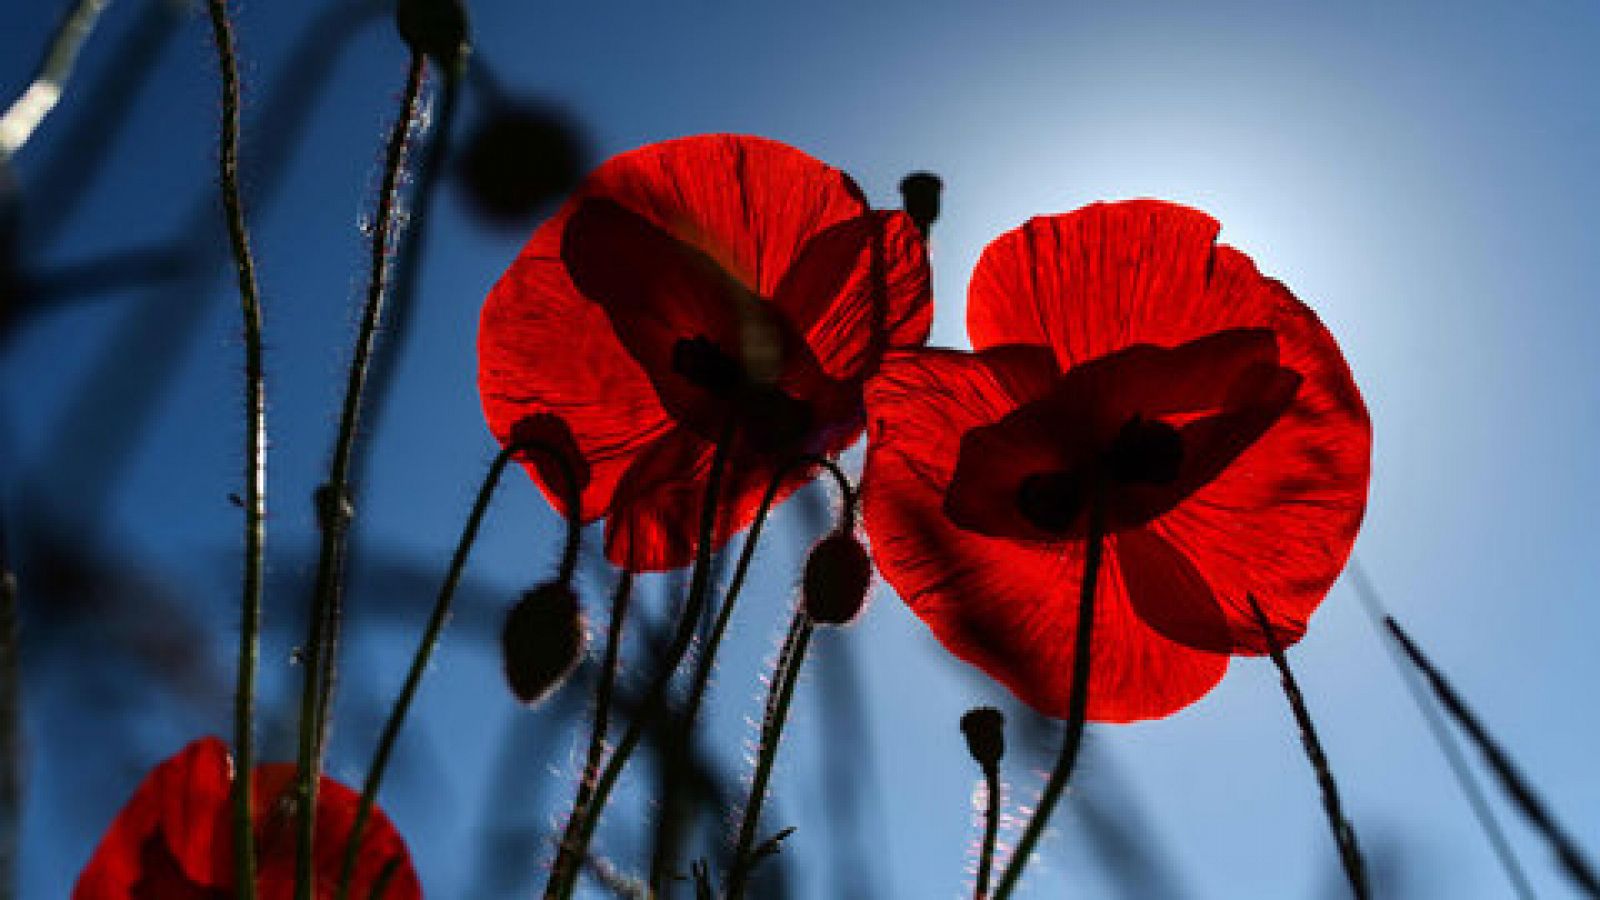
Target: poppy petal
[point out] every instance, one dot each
(1096, 280)
(381, 848)
(859, 288)
(177, 821)
(1007, 606)
(749, 203)
(544, 348)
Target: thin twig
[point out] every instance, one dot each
(334, 505)
(41, 95)
(1344, 836)
(1573, 861)
(255, 472)
(1077, 706)
(1446, 742)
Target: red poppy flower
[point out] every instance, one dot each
(174, 839)
(700, 290)
(1125, 359)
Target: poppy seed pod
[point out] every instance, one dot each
(919, 194)
(838, 575)
(545, 636)
(520, 158)
(437, 28)
(985, 729)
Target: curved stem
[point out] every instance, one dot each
(430, 639)
(580, 826)
(620, 599)
(1344, 836)
(1577, 866)
(255, 456)
(1481, 810)
(1077, 706)
(991, 830)
(334, 511)
(672, 795)
(782, 694)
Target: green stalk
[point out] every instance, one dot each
(672, 795)
(581, 824)
(1077, 706)
(1344, 836)
(333, 499)
(785, 678)
(435, 628)
(255, 458)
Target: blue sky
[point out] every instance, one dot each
(1422, 175)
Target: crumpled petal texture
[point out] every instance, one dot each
(742, 241)
(1086, 319)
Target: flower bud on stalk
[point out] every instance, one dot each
(919, 193)
(985, 728)
(437, 28)
(545, 637)
(837, 577)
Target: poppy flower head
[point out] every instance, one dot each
(1124, 361)
(714, 290)
(174, 839)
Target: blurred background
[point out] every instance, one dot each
(1423, 175)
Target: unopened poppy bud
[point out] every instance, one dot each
(838, 575)
(985, 728)
(437, 28)
(544, 638)
(919, 193)
(523, 157)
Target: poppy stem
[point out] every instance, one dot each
(334, 509)
(1573, 862)
(991, 830)
(23, 116)
(435, 628)
(671, 800)
(1077, 705)
(620, 598)
(1446, 742)
(255, 455)
(784, 678)
(1343, 834)
(580, 827)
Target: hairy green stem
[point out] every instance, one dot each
(582, 821)
(1344, 836)
(435, 628)
(255, 456)
(781, 696)
(333, 498)
(1077, 706)
(672, 796)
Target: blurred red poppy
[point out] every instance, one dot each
(1122, 358)
(710, 289)
(174, 839)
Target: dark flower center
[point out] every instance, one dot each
(1144, 452)
(770, 418)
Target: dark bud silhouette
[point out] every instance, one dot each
(985, 728)
(545, 637)
(519, 159)
(919, 193)
(437, 28)
(838, 574)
